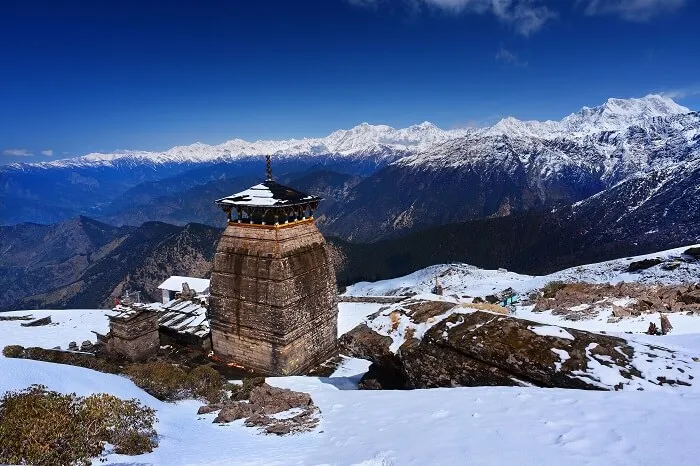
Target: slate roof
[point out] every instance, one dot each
(269, 193)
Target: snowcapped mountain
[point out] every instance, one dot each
(613, 115)
(518, 166)
(512, 166)
(383, 143)
(379, 142)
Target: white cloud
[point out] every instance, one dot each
(682, 93)
(47, 152)
(525, 16)
(17, 152)
(509, 58)
(632, 10)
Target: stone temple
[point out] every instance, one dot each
(273, 305)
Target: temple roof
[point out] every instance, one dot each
(269, 193)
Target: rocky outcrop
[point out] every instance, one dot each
(263, 404)
(575, 301)
(476, 348)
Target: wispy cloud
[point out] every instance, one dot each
(17, 152)
(524, 16)
(631, 10)
(682, 93)
(47, 152)
(509, 58)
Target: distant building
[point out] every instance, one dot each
(273, 304)
(174, 285)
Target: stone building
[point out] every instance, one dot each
(273, 303)
(133, 331)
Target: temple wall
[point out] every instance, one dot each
(273, 298)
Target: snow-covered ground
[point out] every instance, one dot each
(480, 426)
(67, 325)
(466, 280)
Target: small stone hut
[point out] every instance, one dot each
(133, 332)
(273, 304)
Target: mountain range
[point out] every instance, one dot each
(619, 178)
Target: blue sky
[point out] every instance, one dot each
(91, 76)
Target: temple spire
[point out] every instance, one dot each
(268, 167)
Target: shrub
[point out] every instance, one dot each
(13, 351)
(242, 392)
(162, 380)
(207, 383)
(551, 288)
(169, 383)
(125, 424)
(74, 359)
(43, 427)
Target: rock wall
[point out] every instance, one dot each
(273, 305)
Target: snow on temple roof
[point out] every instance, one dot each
(268, 194)
(174, 283)
(185, 316)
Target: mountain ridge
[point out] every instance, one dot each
(385, 142)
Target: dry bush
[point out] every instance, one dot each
(42, 427)
(169, 383)
(395, 318)
(61, 357)
(125, 424)
(488, 307)
(206, 382)
(162, 380)
(13, 351)
(551, 288)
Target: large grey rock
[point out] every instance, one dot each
(476, 348)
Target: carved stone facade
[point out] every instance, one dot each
(273, 304)
(133, 334)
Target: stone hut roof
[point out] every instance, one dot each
(124, 312)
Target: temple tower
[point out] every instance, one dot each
(273, 304)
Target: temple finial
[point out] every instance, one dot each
(268, 167)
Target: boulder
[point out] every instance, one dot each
(644, 264)
(690, 297)
(619, 311)
(235, 410)
(476, 348)
(273, 400)
(693, 252)
(666, 326)
(364, 343)
(206, 409)
(431, 366)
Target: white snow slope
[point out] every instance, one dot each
(476, 426)
(463, 280)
